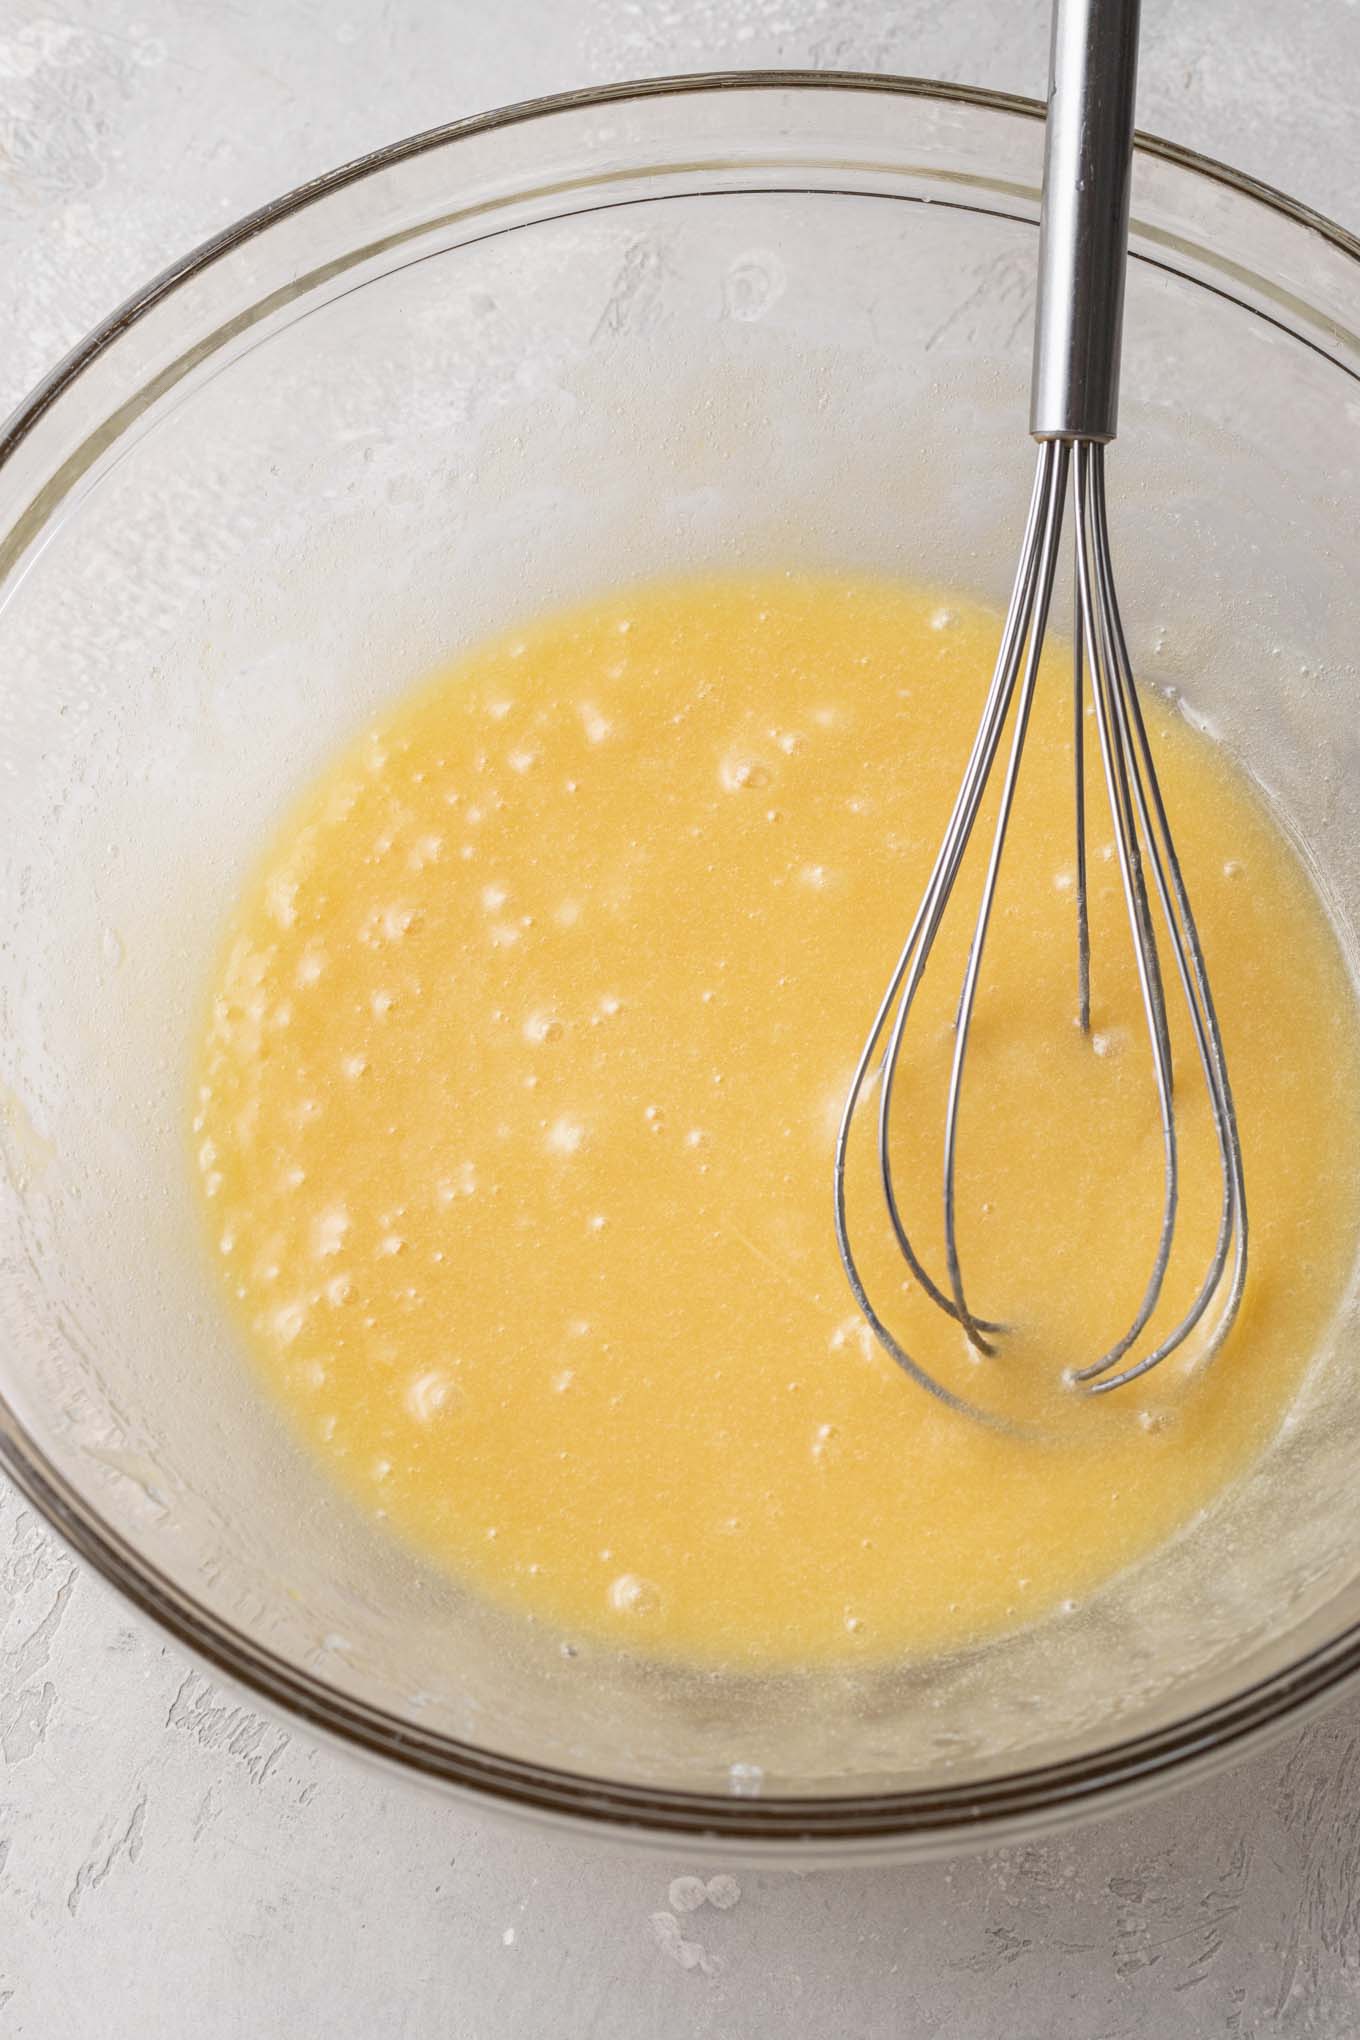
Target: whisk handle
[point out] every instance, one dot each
(1084, 224)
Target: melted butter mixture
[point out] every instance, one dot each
(516, 1109)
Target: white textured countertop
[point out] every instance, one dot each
(170, 1864)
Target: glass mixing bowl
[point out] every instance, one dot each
(739, 321)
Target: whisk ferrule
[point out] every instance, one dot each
(1084, 223)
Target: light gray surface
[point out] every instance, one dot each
(171, 1864)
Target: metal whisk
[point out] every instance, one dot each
(1074, 402)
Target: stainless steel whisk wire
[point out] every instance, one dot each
(1074, 406)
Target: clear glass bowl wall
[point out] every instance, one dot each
(765, 322)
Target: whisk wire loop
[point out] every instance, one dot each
(1149, 870)
(1188, 955)
(1043, 593)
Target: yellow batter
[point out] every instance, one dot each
(516, 1108)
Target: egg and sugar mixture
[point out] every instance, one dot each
(518, 1094)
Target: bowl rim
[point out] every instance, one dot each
(854, 1825)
